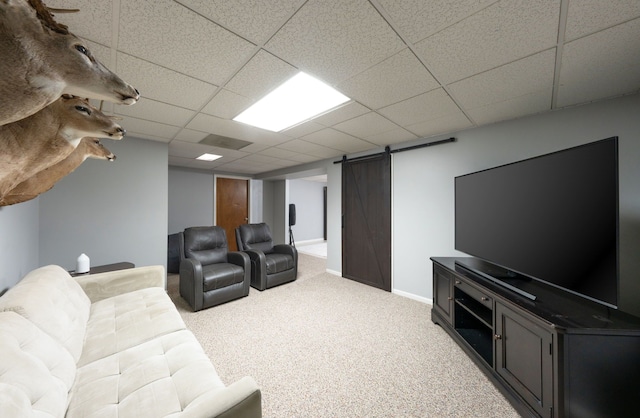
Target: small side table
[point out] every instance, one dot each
(103, 269)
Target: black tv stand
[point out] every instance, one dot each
(556, 356)
(495, 274)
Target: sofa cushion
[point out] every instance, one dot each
(53, 301)
(126, 320)
(36, 372)
(217, 276)
(160, 377)
(277, 262)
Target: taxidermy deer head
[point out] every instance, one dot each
(30, 145)
(41, 60)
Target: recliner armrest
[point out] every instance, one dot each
(285, 249)
(192, 282)
(258, 269)
(239, 259)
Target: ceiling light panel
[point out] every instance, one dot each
(300, 98)
(208, 157)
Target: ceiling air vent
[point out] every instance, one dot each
(225, 142)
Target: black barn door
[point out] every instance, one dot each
(366, 221)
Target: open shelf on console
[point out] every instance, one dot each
(474, 323)
(474, 307)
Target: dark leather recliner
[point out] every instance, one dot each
(210, 274)
(271, 265)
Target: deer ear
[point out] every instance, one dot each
(67, 96)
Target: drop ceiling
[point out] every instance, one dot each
(412, 68)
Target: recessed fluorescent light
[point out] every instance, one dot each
(300, 98)
(208, 157)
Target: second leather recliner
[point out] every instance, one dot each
(271, 265)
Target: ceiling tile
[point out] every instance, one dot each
(395, 79)
(189, 135)
(504, 32)
(175, 37)
(191, 150)
(366, 125)
(231, 129)
(262, 159)
(450, 123)
(94, 20)
(188, 162)
(589, 16)
(520, 78)
(226, 104)
(147, 128)
(244, 167)
(427, 106)
(147, 136)
(338, 140)
(303, 158)
(393, 136)
(263, 73)
(161, 84)
(253, 148)
(278, 152)
(303, 129)
(527, 104)
(157, 112)
(417, 19)
(346, 112)
(495, 58)
(325, 38)
(600, 65)
(305, 147)
(255, 20)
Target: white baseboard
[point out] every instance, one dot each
(412, 296)
(334, 272)
(311, 241)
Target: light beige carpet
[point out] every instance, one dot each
(325, 346)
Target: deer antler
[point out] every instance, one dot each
(45, 16)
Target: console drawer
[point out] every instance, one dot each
(474, 293)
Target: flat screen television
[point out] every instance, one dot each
(552, 218)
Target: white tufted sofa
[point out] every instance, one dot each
(107, 345)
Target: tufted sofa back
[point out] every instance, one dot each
(43, 321)
(36, 372)
(52, 300)
(207, 244)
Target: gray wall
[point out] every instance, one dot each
(280, 225)
(422, 189)
(268, 188)
(308, 196)
(334, 218)
(256, 201)
(423, 202)
(19, 226)
(190, 199)
(112, 211)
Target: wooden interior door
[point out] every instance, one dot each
(366, 221)
(232, 206)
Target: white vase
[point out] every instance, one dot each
(83, 264)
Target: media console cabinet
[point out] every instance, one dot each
(556, 356)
